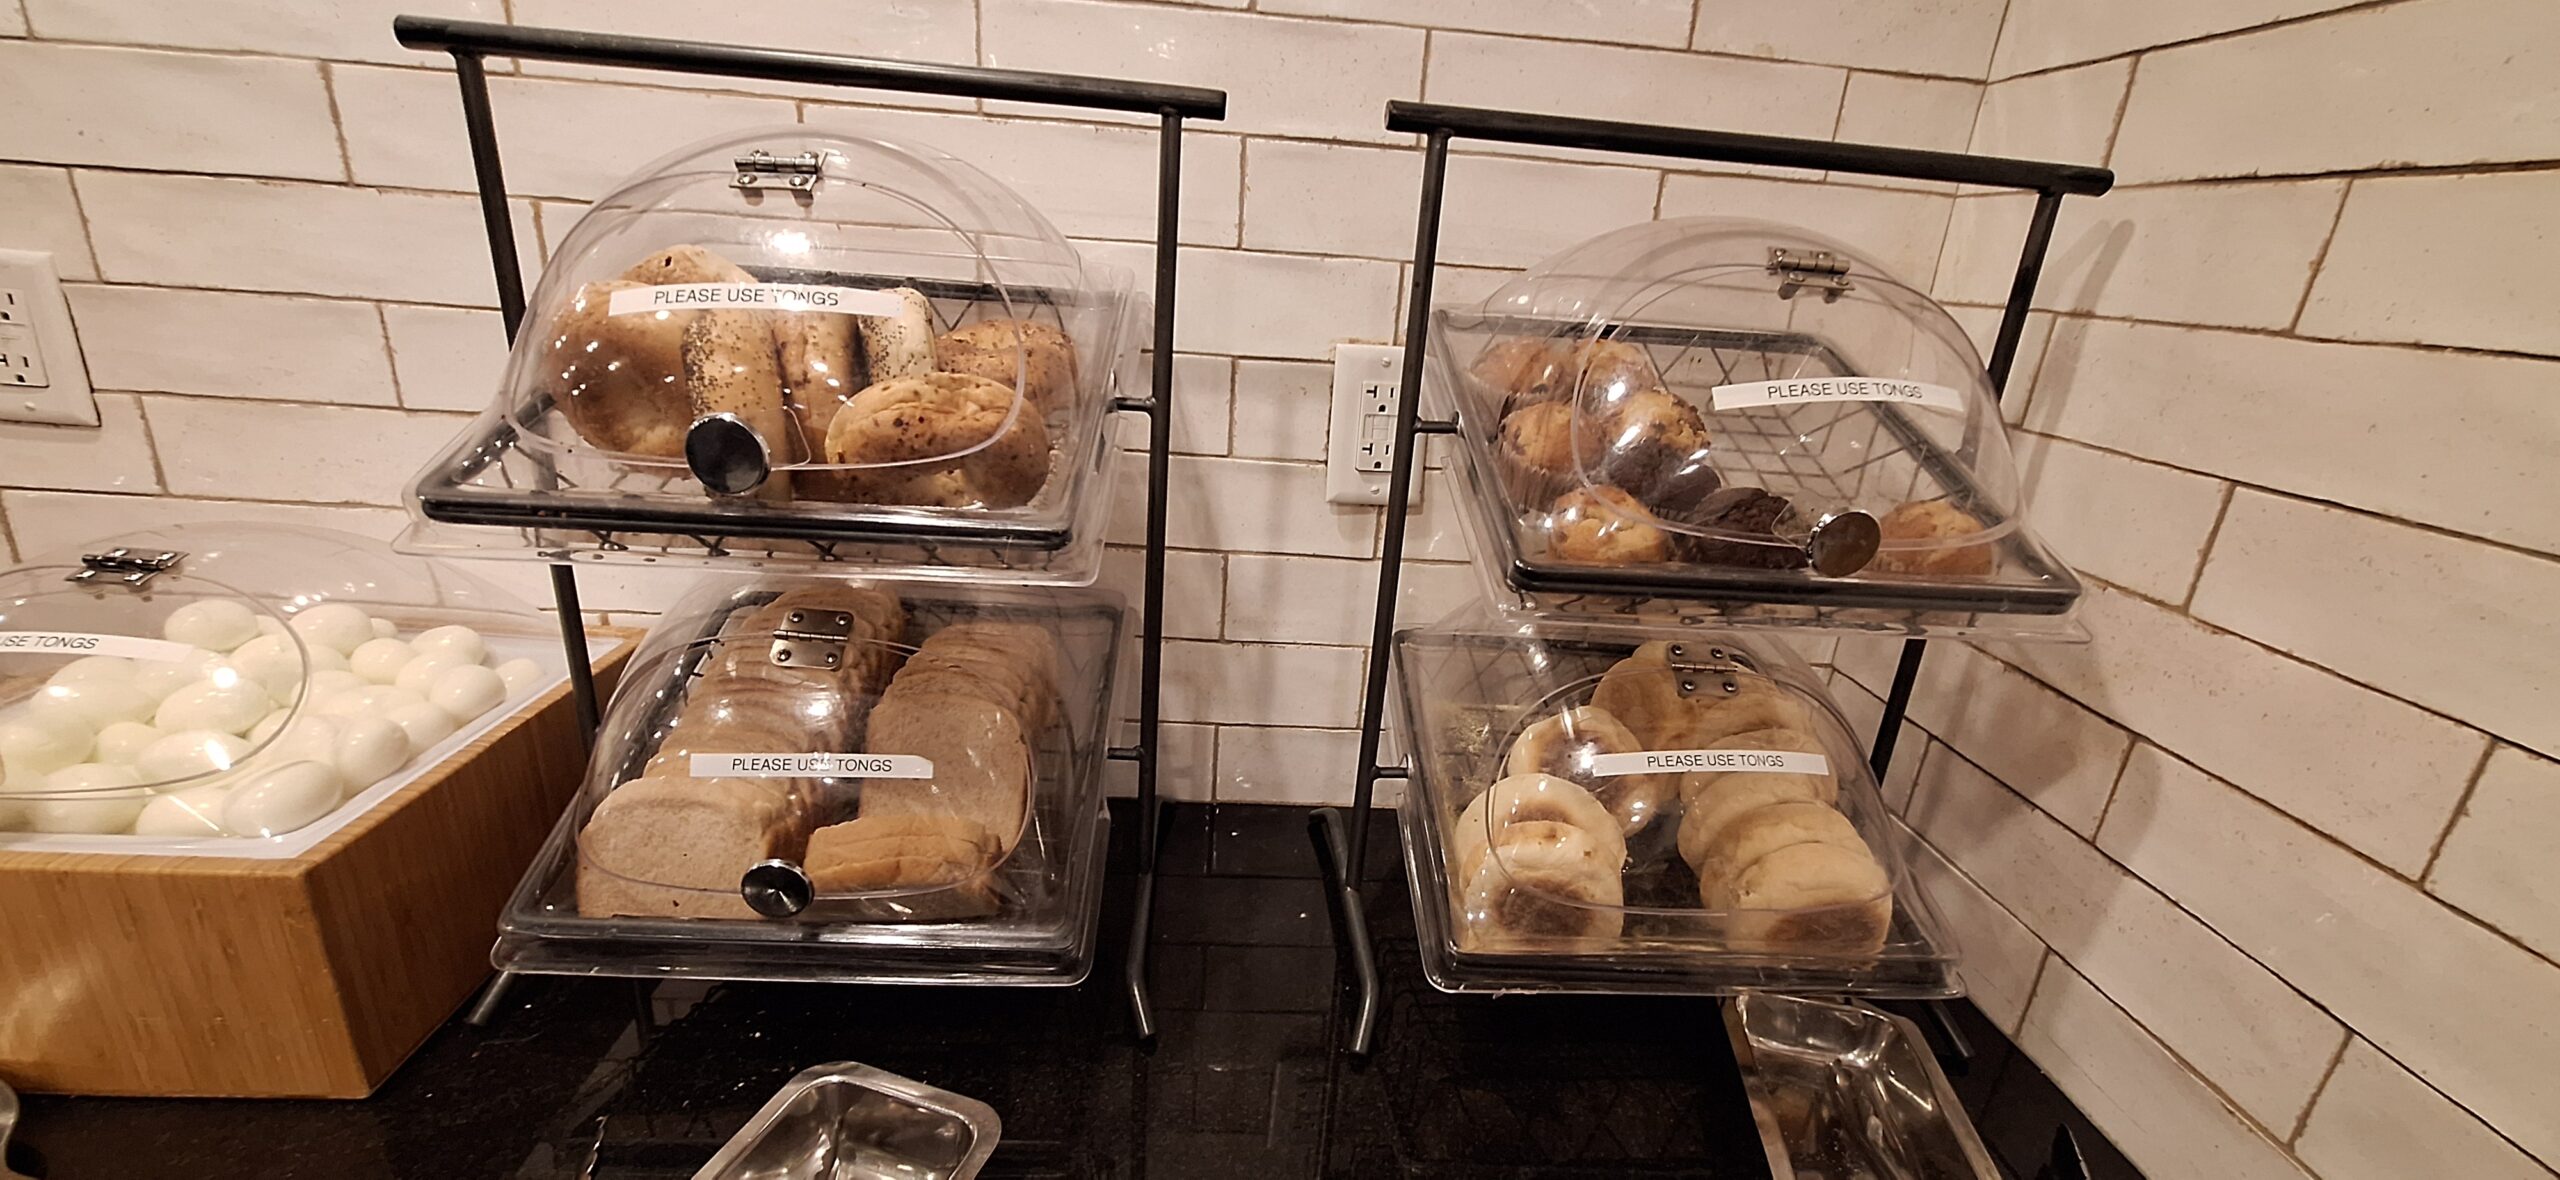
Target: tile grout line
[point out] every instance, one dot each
(2461, 807)
(390, 358)
(2303, 1122)
(2320, 261)
(2205, 38)
(337, 120)
(2204, 552)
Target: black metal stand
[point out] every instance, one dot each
(470, 42)
(1345, 859)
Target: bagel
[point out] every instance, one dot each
(1543, 881)
(1764, 830)
(1565, 745)
(995, 349)
(1813, 897)
(1532, 798)
(619, 380)
(908, 429)
(1707, 811)
(901, 345)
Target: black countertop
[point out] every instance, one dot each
(610, 1079)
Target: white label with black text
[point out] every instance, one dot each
(1807, 390)
(1720, 761)
(817, 297)
(812, 766)
(79, 643)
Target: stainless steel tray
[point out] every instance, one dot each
(1846, 1092)
(848, 1121)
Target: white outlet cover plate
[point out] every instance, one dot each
(64, 399)
(1360, 443)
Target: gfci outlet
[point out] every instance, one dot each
(1360, 447)
(42, 377)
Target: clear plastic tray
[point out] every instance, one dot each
(828, 781)
(1538, 862)
(784, 347)
(1712, 422)
(242, 690)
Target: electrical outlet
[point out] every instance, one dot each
(42, 376)
(1360, 446)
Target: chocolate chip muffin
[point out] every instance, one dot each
(1603, 525)
(1946, 541)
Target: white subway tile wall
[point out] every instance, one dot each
(2287, 402)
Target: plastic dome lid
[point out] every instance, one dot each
(138, 667)
(1736, 393)
(788, 313)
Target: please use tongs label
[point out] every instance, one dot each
(812, 766)
(816, 297)
(1717, 761)
(82, 643)
(1807, 390)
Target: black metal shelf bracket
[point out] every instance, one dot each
(1342, 841)
(470, 43)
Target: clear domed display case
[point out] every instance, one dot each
(785, 346)
(242, 690)
(839, 781)
(1599, 808)
(1733, 423)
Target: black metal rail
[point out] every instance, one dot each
(1342, 843)
(471, 42)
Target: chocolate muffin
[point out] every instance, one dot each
(1740, 512)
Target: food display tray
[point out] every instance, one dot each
(847, 1121)
(1465, 695)
(1843, 1090)
(1047, 942)
(1799, 447)
(492, 478)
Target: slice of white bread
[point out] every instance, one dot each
(981, 761)
(676, 848)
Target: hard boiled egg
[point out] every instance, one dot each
(100, 703)
(467, 691)
(219, 624)
(425, 724)
(39, 743)
(420, 674)
(334, 625)
(379, 660)
(231, 704)
(283, 799)
(93, 668)
(189, 753)
(158, 678)
(122, 742)
(89, 798)
(520, 676)
(454, 642)
(368, 750)
(196, 811)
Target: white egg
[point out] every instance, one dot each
(273, 802)
(99, 702)
(87, 798)
(216, 623)
(274, 661)
(333, 625)
(368, 750)
(270, 625)
(188, 754)
(123, 742)
(269, 726)
(467, 692)
(454, 642)
(93, 668)
(196, 811)
(41, 742)
(325, 659)
(425, 724)
(520, 676)
(379, 660)
(376, 699)
(309, 737)
(419, 674)
(383, 628)
(324, 686)
(231, 707)
(158, 678)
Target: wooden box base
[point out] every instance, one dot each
(309, 977)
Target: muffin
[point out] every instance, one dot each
(1517, 371)
(1603, 525)
(1734, 519)
(1941, 530)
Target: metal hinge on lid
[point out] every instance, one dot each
(124, 567)
(812, 639)
(760, 169)
(1820, 270)
(1709, 668)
